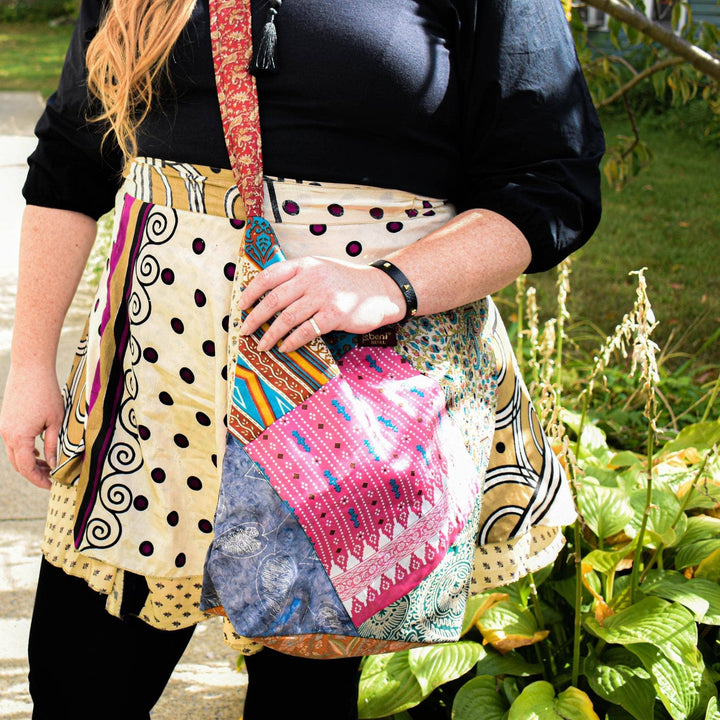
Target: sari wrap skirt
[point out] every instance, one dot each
(135, 492)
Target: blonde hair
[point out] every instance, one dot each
(126, 58)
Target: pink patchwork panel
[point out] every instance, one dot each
(376, 473)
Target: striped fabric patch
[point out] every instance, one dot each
(266, 385)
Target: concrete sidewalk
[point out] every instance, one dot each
(205, 685)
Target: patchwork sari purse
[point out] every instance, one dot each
(351, 498)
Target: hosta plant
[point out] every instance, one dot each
(625, 623)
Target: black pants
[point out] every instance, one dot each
(85, 663)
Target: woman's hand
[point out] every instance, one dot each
(314, 295)
(32, 407)
(475, 254)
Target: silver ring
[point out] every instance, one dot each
(315, 327)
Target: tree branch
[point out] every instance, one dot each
(639, 77)
(697, 57)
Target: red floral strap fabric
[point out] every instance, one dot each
(231, 37)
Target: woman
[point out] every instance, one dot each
(451, 144)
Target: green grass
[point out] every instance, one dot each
(666, 220)
(31, 55)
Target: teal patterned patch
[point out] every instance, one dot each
(433, 611)
(454, 349)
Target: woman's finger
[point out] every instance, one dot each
(276, 301)
(302, 335)
(28, 464)
(265, 281)
(11, 456)
(291, 318)
(50, 445)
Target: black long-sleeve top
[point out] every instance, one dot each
(479, 102)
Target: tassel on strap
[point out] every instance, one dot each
(263, 60)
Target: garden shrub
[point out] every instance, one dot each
(625, 623)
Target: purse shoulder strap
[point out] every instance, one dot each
(231, 38)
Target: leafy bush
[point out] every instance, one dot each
(625, 623)
(635, 73)
(36, 10)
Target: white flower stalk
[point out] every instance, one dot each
(563, 291)
(533, 333)
(563, 315)
(632, 339)
(644, 350)
(543, 388)
(520, 284)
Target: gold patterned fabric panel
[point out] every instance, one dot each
(71, 439)
(171, 603)
(525, 484)
(193, 188)
(148, 487)
(502, 563)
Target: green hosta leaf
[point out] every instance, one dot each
(631, 478)
(624, 681)
(540, 576)
(387, 686)
(393, 682)
(477, 605)
(478, 699)
(668, 626)
(524, 585)
(693, 554)
(510, 664)
(615, 712)
(683, 689)
(700, 527)
(670, 477)
(700, 596)
(709, 568)
(622, 599)
(437, 664)
(591, 580)
(701, 436)
(606, 561)
(605, 510)
(664, 510)
(508, 625)
(712, 712)
(593, 442)
(605, 476)
(593, 439)
(704, 496)
(678, 531)
(551, 614)
(626, 458)
(566, 590)
(538, 702)
(510, 689)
